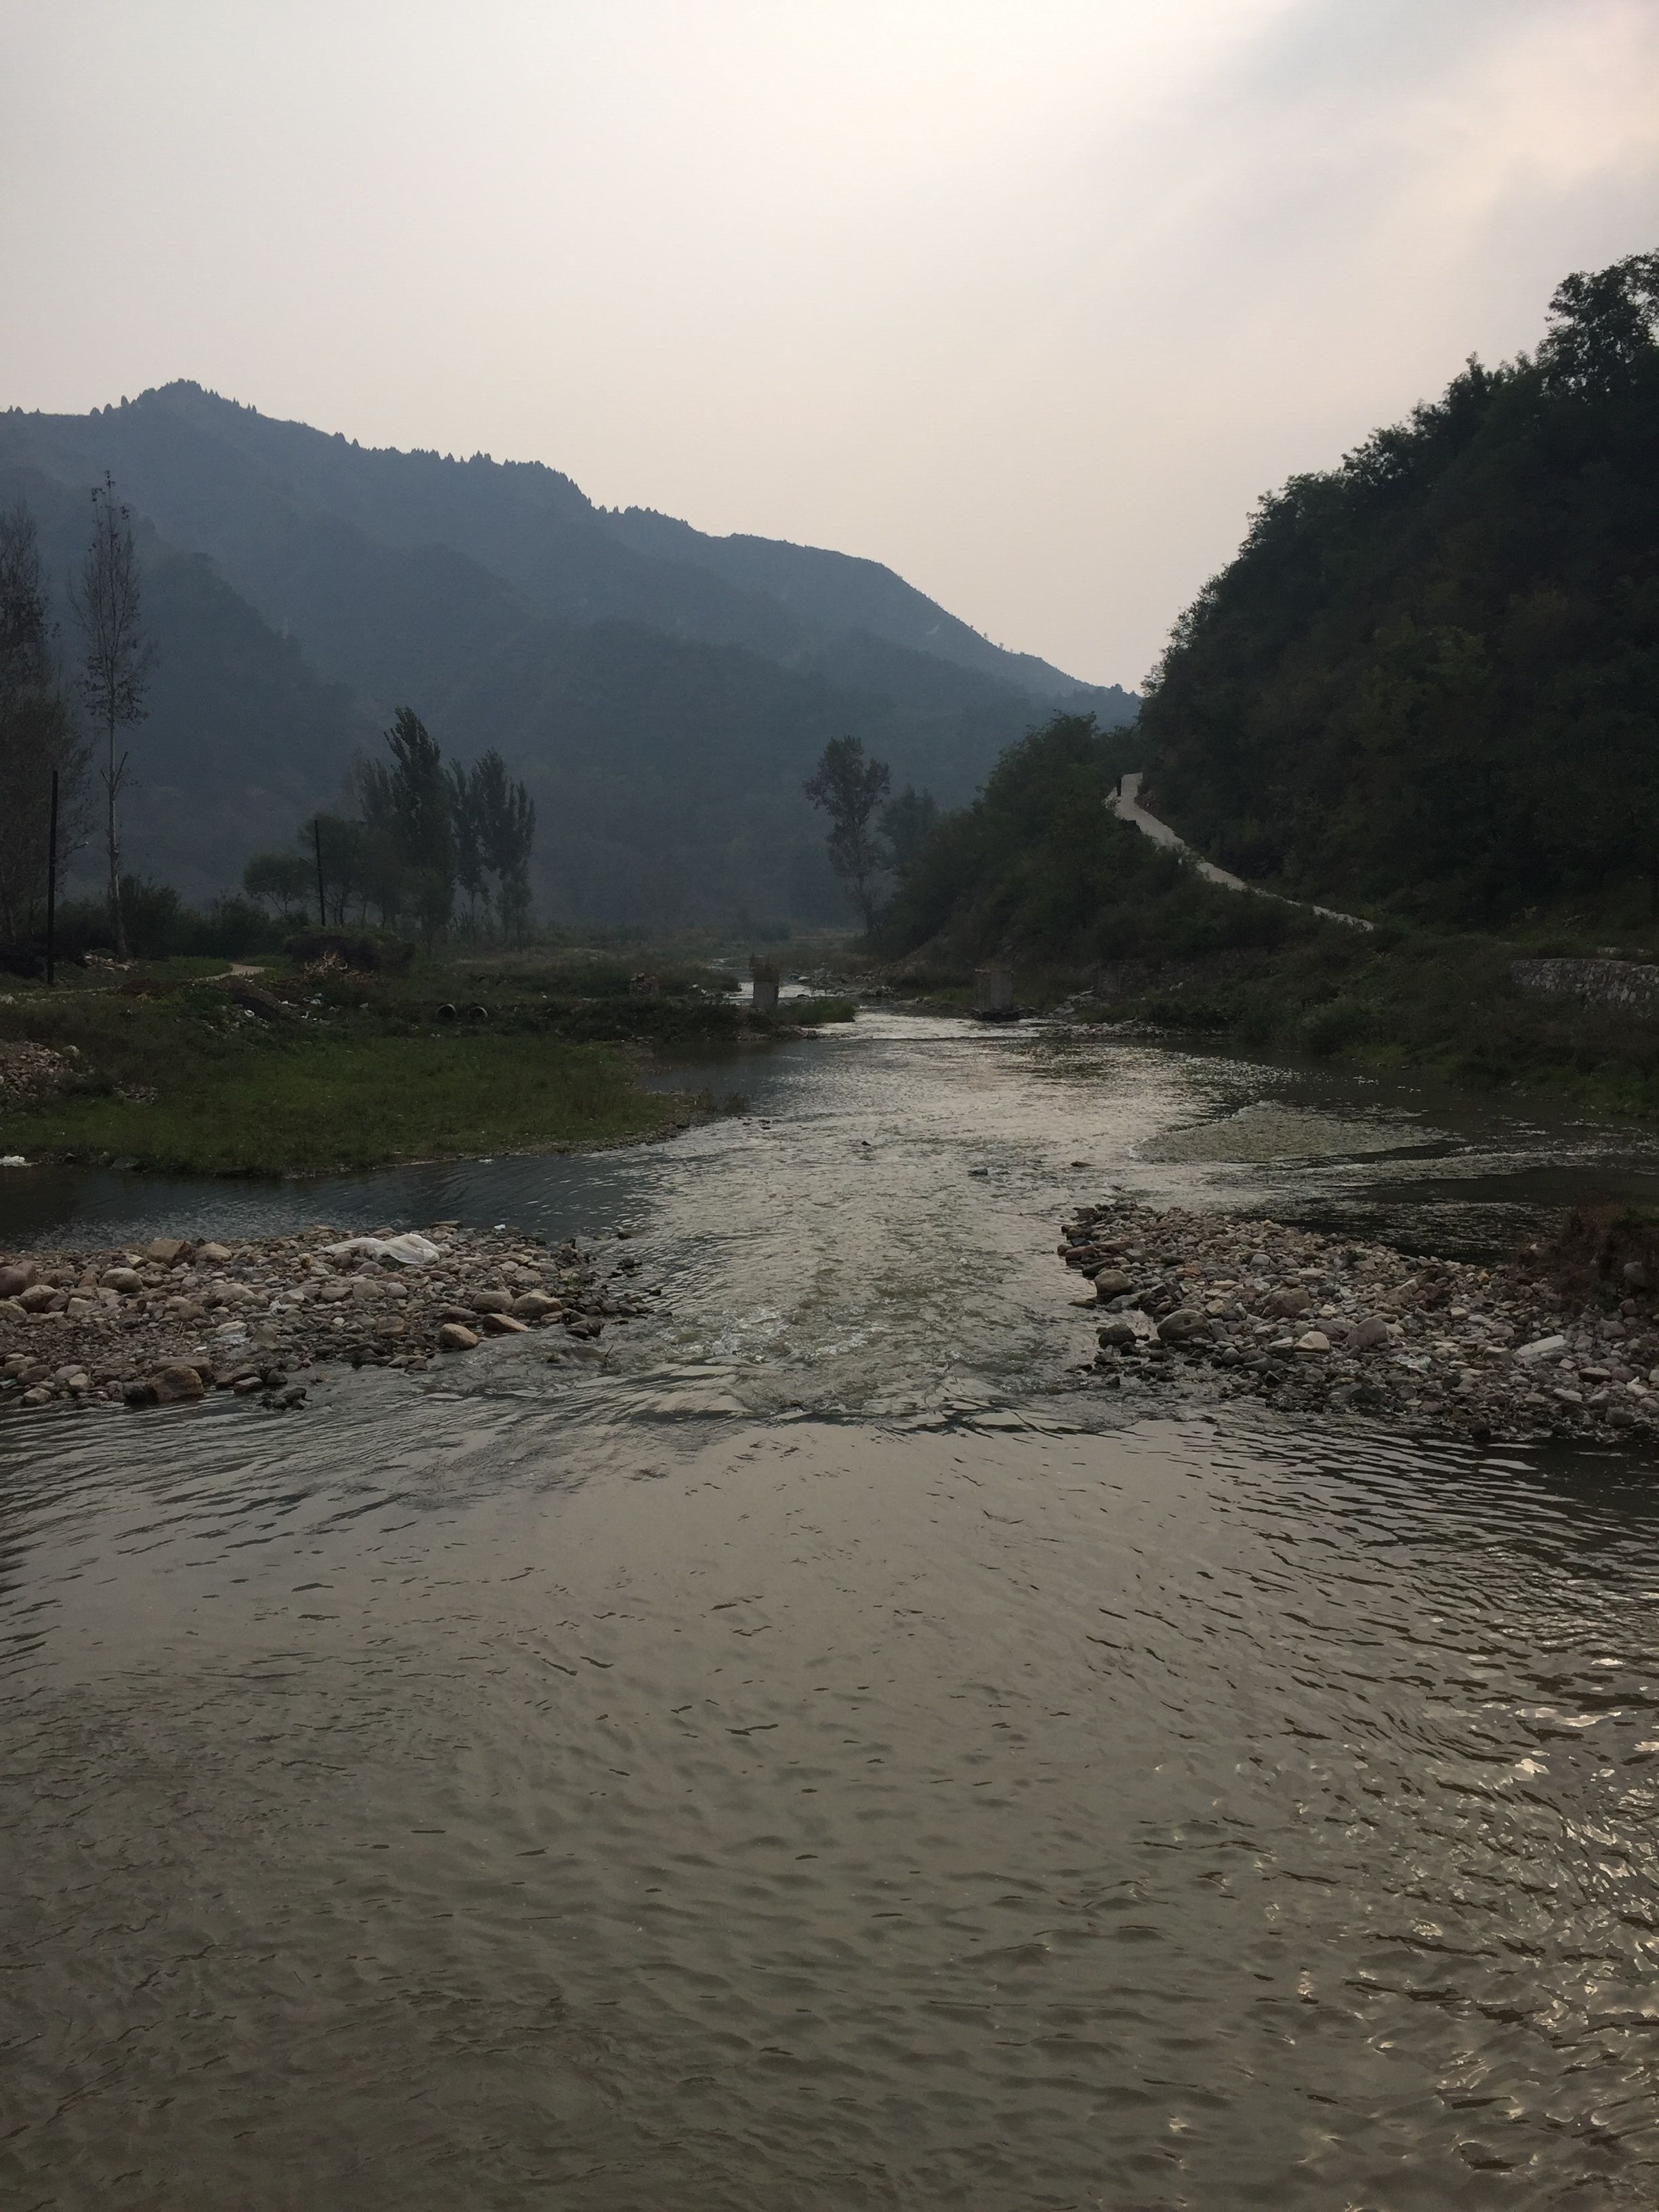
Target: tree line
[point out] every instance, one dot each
(431, 845)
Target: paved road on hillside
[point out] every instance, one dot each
(1126, 803)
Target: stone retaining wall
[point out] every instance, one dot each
(1625, 984)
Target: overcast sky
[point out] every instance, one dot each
(1030, 300)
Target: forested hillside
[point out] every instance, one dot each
(663, 694)
(1431, 677)
(1038, 870)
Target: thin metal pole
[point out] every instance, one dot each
(316, 839)
(52, 887)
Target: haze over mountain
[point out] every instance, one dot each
(663, 693)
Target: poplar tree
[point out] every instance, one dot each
(37, 736)
(116, 663)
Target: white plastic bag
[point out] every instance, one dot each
(409, 1250)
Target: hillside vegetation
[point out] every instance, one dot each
(1038, 870)
(1431, 677)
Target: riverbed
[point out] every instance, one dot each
(819, 1751)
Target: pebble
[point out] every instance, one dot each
(168, 1321)
(1261, 1309)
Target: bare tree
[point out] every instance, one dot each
(37, 737)
(115, 671)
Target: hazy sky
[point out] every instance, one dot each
(1030, 299)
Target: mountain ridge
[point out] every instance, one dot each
(664, 714)
(565, 554)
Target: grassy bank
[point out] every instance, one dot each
(1444, 1005)
(297, 1073)
(318, 1104)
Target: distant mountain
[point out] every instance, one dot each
(664, 693)
(842, 597)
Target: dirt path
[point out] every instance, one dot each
(1127, 804)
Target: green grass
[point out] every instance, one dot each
(361, 1070)
(186, 967)
(236, 1097)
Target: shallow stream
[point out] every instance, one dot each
(819, 1753)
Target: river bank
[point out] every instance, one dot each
(1318, 1324)
(1468, 1009)
(327, 1071)
(174, 1320)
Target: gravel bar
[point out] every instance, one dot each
(1310, 1322)
(175, 1321)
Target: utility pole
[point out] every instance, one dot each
(317, 841)
(52, 887)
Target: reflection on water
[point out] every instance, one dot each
(808, 1757)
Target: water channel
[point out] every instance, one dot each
(823, 1752)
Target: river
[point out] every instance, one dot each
(823, 1752)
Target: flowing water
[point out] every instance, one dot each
(823, 1752)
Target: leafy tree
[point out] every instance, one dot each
(384, 876)
(106, 596)
(850, 788)
(1601, 327)
(907, 824)
(504, 817)
(334, 845)
(408, 847)
(37, 736)
(381, 870)
(468, 851)
(283, 881)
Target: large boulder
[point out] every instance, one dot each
(1112, 1282)
(1186, 1324)
(174, 1385)
(17, 1275)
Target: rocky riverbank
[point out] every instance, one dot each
(174, 1321)
(1311, 1322)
